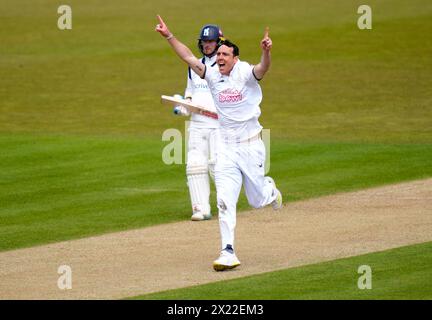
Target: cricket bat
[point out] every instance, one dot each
(192, 107)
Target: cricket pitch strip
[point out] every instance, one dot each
(175, 255)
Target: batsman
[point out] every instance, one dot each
(203, 130)
(241, 154)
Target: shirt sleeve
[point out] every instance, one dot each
(209, 75)
(248, 71)
(189, 87)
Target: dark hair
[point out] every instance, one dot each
(236, 50)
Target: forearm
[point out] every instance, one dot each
(181, 50)
(261, 68)
(265, 60)
(186, 55)
(264, 65)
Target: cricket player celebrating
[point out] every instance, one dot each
(203, 131)
(241, 154)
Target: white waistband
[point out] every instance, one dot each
(236, 140)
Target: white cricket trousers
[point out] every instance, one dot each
(239, 163)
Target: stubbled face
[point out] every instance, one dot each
(225, 59)
(209, 46)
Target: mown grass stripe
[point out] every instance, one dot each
(401, 273)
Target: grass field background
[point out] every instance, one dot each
(398, 274)
(81, 120)
(329, 80)
(56, 188)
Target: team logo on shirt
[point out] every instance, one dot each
(230, 96)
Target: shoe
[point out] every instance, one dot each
(226, 261)
(198, 216)
(276, 203)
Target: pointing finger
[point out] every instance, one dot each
(161, 22)
(266, 33)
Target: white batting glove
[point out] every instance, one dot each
(180, 110)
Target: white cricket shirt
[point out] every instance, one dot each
(237, 98)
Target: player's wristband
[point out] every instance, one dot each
(170, 36)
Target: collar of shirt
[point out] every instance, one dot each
(207, 60)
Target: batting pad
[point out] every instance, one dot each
(199, 188)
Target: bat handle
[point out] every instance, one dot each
(209, 114)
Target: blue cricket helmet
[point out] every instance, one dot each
(208, 33)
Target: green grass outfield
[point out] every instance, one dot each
(81, 120)
(56, 188)
(328, 81)
(402, 273)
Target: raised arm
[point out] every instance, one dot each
(182, 51)
(262, 67)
